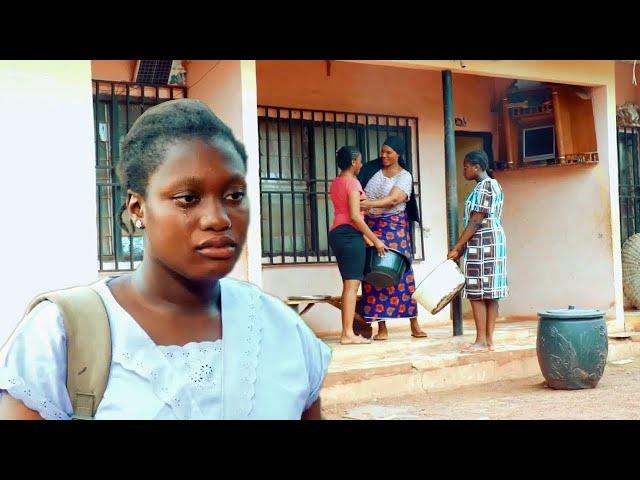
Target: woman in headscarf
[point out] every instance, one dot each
(392, 208)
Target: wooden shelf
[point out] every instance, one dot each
(520, 112)
(587, 158)
(574, 126)
(532, 116)
(530, 167)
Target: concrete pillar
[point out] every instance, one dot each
(229, 88)
(604, 113)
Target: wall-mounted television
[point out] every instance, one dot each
(538, 143)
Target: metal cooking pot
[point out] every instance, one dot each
(384, 271)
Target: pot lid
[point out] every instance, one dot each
(571, 313)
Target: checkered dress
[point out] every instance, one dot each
(485, 256)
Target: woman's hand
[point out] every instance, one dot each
(367, 241)
(381, 248)
(454, 254)
(365, 205)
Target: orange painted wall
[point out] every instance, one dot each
(115, 70)
(625, 90)
(541, 205)
(558, 238)
(472, 98)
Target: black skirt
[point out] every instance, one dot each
(349, 248)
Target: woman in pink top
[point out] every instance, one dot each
(345, 236)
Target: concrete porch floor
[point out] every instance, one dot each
(403, 365)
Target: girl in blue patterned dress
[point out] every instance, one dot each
(484, 246)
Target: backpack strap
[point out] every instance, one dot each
(88, 346)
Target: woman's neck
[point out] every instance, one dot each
(346, 173)
(159, 285)
(395, 168)
(482, 176)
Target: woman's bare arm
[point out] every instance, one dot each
(12, 409)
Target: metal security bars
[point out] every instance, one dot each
(629, 180)
(116, 105)
(297, 164)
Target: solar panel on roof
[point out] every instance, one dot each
(155, 72)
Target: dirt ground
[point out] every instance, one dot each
(617, 396)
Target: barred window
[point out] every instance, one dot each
(297, 164)
(116, 105)
(629, 180)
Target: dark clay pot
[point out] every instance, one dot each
(572, 347)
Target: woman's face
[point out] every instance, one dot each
(389, 156)
(470, 171)
(357, 164)
(195, 212)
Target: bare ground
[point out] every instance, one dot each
(617, 396)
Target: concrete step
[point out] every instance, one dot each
(404, 367)
(439, 339)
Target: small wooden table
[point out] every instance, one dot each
(360, 326)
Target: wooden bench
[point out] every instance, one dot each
(360, 326)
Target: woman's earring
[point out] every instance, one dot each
(139, 225)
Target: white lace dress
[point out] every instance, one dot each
(268, 365)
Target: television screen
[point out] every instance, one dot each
(538, 143)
